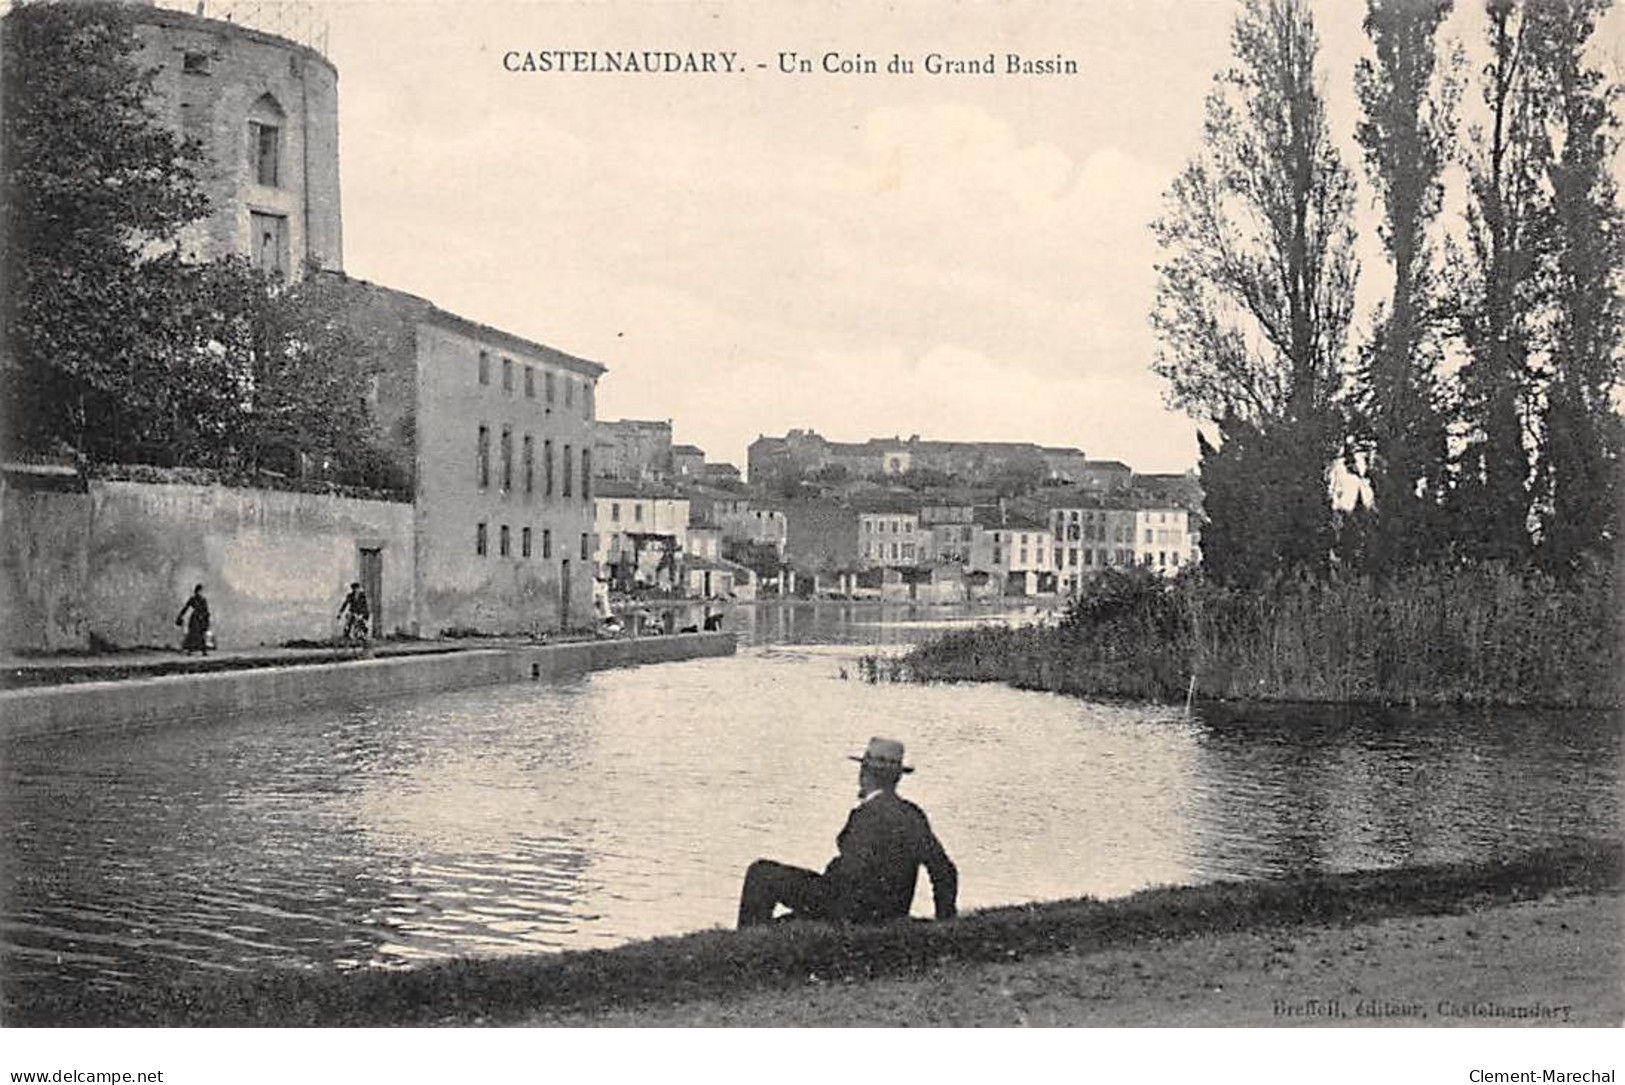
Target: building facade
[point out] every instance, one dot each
(1090, 537)
(264, 109)
(498, 432)
(889, 538)
(641, 536)
(634, 450)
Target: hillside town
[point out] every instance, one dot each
(888, 519)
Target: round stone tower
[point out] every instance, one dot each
(265, 109)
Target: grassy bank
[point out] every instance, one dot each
(715, 964)
(1455, 636)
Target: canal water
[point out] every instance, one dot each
(625, 804)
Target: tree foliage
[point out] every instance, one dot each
(1256, 287)
(116, 348)
(1407, 133)
(95, 194)
(1500, 287)
(1578, 478)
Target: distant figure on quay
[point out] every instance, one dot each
(197, 625)
(885, 842)
(357, 614)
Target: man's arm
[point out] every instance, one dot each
(944, 875)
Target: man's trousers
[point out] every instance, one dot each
(769, 884)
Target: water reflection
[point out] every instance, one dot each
(626, 804)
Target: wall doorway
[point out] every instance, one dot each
(372, 582)
(564, 595)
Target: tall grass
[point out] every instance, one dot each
(1470, 635)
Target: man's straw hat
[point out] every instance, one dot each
(885, 754)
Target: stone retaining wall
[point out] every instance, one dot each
(151, 702)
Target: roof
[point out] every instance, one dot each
(614, 487)
(1107, 465)
(886, 504)
(433, 314)
(991, 519)
(687, 450)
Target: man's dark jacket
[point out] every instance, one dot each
(882, 847)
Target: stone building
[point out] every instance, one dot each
(265, 109)
(634, 450)
(497, 431)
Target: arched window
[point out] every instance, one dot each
(266, 122)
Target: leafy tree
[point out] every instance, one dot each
(1406, 131)
(1256, 290)
(96, 191)
(1581, 431)
(1243, 477)
(1500, 285)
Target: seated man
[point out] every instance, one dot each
(882, 847)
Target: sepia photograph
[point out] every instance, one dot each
(717, 514)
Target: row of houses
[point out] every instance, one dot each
(717, 543)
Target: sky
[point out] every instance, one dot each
(955, 256)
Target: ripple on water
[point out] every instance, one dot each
(627, 804)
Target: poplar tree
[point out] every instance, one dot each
(1405, 131)
(1501, 287)
(1581, 431)
(1255, 293)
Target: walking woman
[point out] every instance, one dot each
(197, 626)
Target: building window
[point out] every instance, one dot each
(265, 144)
(587, 398)
(524, 542)
(614, 512)
(547, 381)
(1148, 536)
(569, 392)
(482, 458)
(565, 489)
(586, 474)
(530, 382)
(586, 548)
(547, 467)
(530, 465)
(547, 542)
(998, 555)
(507, 458)
(502, 540)
(507, 375)
(637, 512)
(1175, 556)
(485, 367)
(479, 539)
(1024, 554)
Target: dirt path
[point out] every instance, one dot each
(1557, 960)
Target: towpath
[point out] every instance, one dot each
(1557, 960)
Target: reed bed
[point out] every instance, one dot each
(1471, 635)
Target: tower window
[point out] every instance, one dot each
(195, 63)
(267, 148)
